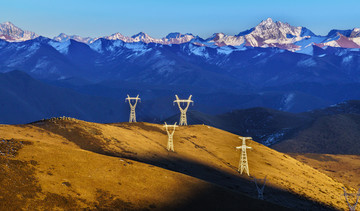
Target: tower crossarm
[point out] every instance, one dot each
(243, 147)
(179, 101)
(244, 139)
(133, 98)
(183, 119)
(173, 127)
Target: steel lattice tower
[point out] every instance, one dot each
(243, 164)
(132, 107)
(260, 189)
(170, 145)
(183, 120)
(352, 206)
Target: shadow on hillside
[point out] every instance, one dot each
(239, 189)
(236, 187)
(217, 199)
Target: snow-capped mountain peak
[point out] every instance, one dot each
(61, 37)
(268, 22)
(174, 35)
(269, 29)
(8, 23)
(221, 39)
(177, 35)
(143, 37)
(12, 33)
(64, 37)
(276, 34)
(355, 32)
(140, 36)
(116, 36)
(178, 38)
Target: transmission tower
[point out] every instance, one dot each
(260, 189)
(132, 107)
(170, 145)
(353, 195)
(243, 164)
(183, 120)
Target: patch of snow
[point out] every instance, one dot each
(139, 48)
(157, 54)
(97, 46)
(347, 59)
(273, 138)
(199, 51)
(42, 63)
(241, 48)
(307, 63)
(62, 47)
(224, 50)
(260, 54)
(115, 44)
(287, 101)
(64, 37)
(34, 47)
(309, 41)
(308, 50)
(355, 49)
(220, 39)
(332, 43)
(356, 40)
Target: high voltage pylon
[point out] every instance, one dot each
(132, 107)
(170, 145)
(183, 120)
(243, 164)
(260, 189)
(356, 197)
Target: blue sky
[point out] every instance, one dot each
(159, 17)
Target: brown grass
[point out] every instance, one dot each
(344, 168)
(80, 165)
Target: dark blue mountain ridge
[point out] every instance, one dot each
(24, 99)
(250, 74)
(164, 64)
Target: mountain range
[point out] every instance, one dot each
(266, 34)
(311, 74)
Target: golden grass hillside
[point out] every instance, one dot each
(72, 164)
(344, 168)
